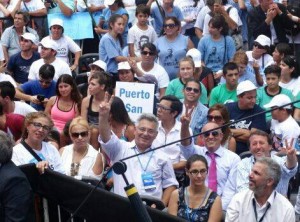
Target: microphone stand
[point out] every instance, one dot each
(132, 194)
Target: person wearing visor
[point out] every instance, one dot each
(49, 49)
(65, 44)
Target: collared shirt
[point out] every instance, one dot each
(159, 166)
(227, 162)
(241, 208)
(244, 168)
(172, 151)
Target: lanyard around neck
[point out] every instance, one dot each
(144, 169)
(255, 212)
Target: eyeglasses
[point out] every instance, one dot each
(196, 172)
(39, 126)
(149, 131)
(190, 89)
(147, 53)
(162, 107)
(82, 134)
(258, 46)
(213, 133)
(216, 118)
(171, 26)
(46, 82)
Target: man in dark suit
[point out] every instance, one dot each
(269, 19)
(15, 191)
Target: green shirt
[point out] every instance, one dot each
(263, 98)
(220, 94)
(176, 86)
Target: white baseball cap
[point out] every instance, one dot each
(56, 21)
(123, 65)
(263, 40)
(245, 86)
(100, 64)
(279, 100)
(31, 37)
(196, 56)
(49, 44)
(109, 2)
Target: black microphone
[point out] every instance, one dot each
(132, 194)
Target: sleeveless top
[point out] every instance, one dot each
(92, 117)
(198, 214)
(59, 117)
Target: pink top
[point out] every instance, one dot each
(59, 117)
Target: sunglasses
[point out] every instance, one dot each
(171, 26)
(216, 118)
(39, 126)
(190, 89)
(258, 46)
(82, 134)
(213, 133)
(147, 53)
(196, 172)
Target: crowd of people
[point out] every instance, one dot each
(216, 66)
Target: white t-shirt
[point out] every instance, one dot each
(200, 18)
(5, 77)
(48, 152)
(60, 67)
(139, 37)
(23, 108)
(233, 14)
(160, 74)
(82, 7)
(286, 130)
(33, 5)
(65, 44)
(86, 164)
(293, 85)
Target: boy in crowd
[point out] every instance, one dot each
(140, 33)
(266, 93)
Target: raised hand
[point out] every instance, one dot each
(105, 105)
(290, 150)
(185, 119)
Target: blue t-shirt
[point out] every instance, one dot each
(109, 48)
(258, 122)
(158, 20)
(170, 53)
(20, 66)
(213, 52)
(34, 88)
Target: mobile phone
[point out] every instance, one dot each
(40, 97)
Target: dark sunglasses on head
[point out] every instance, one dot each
(171, 26)
(258, 45)
(82, 134)
(216, 118)
(190, 89)
(147, 53)
(214, 133)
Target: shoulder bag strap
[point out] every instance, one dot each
(29, 149)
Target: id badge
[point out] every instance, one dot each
(148, 181)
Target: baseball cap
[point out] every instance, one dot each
(56, 21)
(31, 37)
(100, 64)
(123, 65)
(245, 86)
(263, 40)
(196, 56)
(279, 100)
(147, 78)
(49, 44)
(109, 2)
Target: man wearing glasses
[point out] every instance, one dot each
(152, 172)
(222, 162)
(37, 92)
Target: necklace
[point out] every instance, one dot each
(74, 170)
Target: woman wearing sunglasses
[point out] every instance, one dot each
(196, 202)
(186, 73)
(172, 46)
(218, 114)
(80, 158)
(33, 148)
